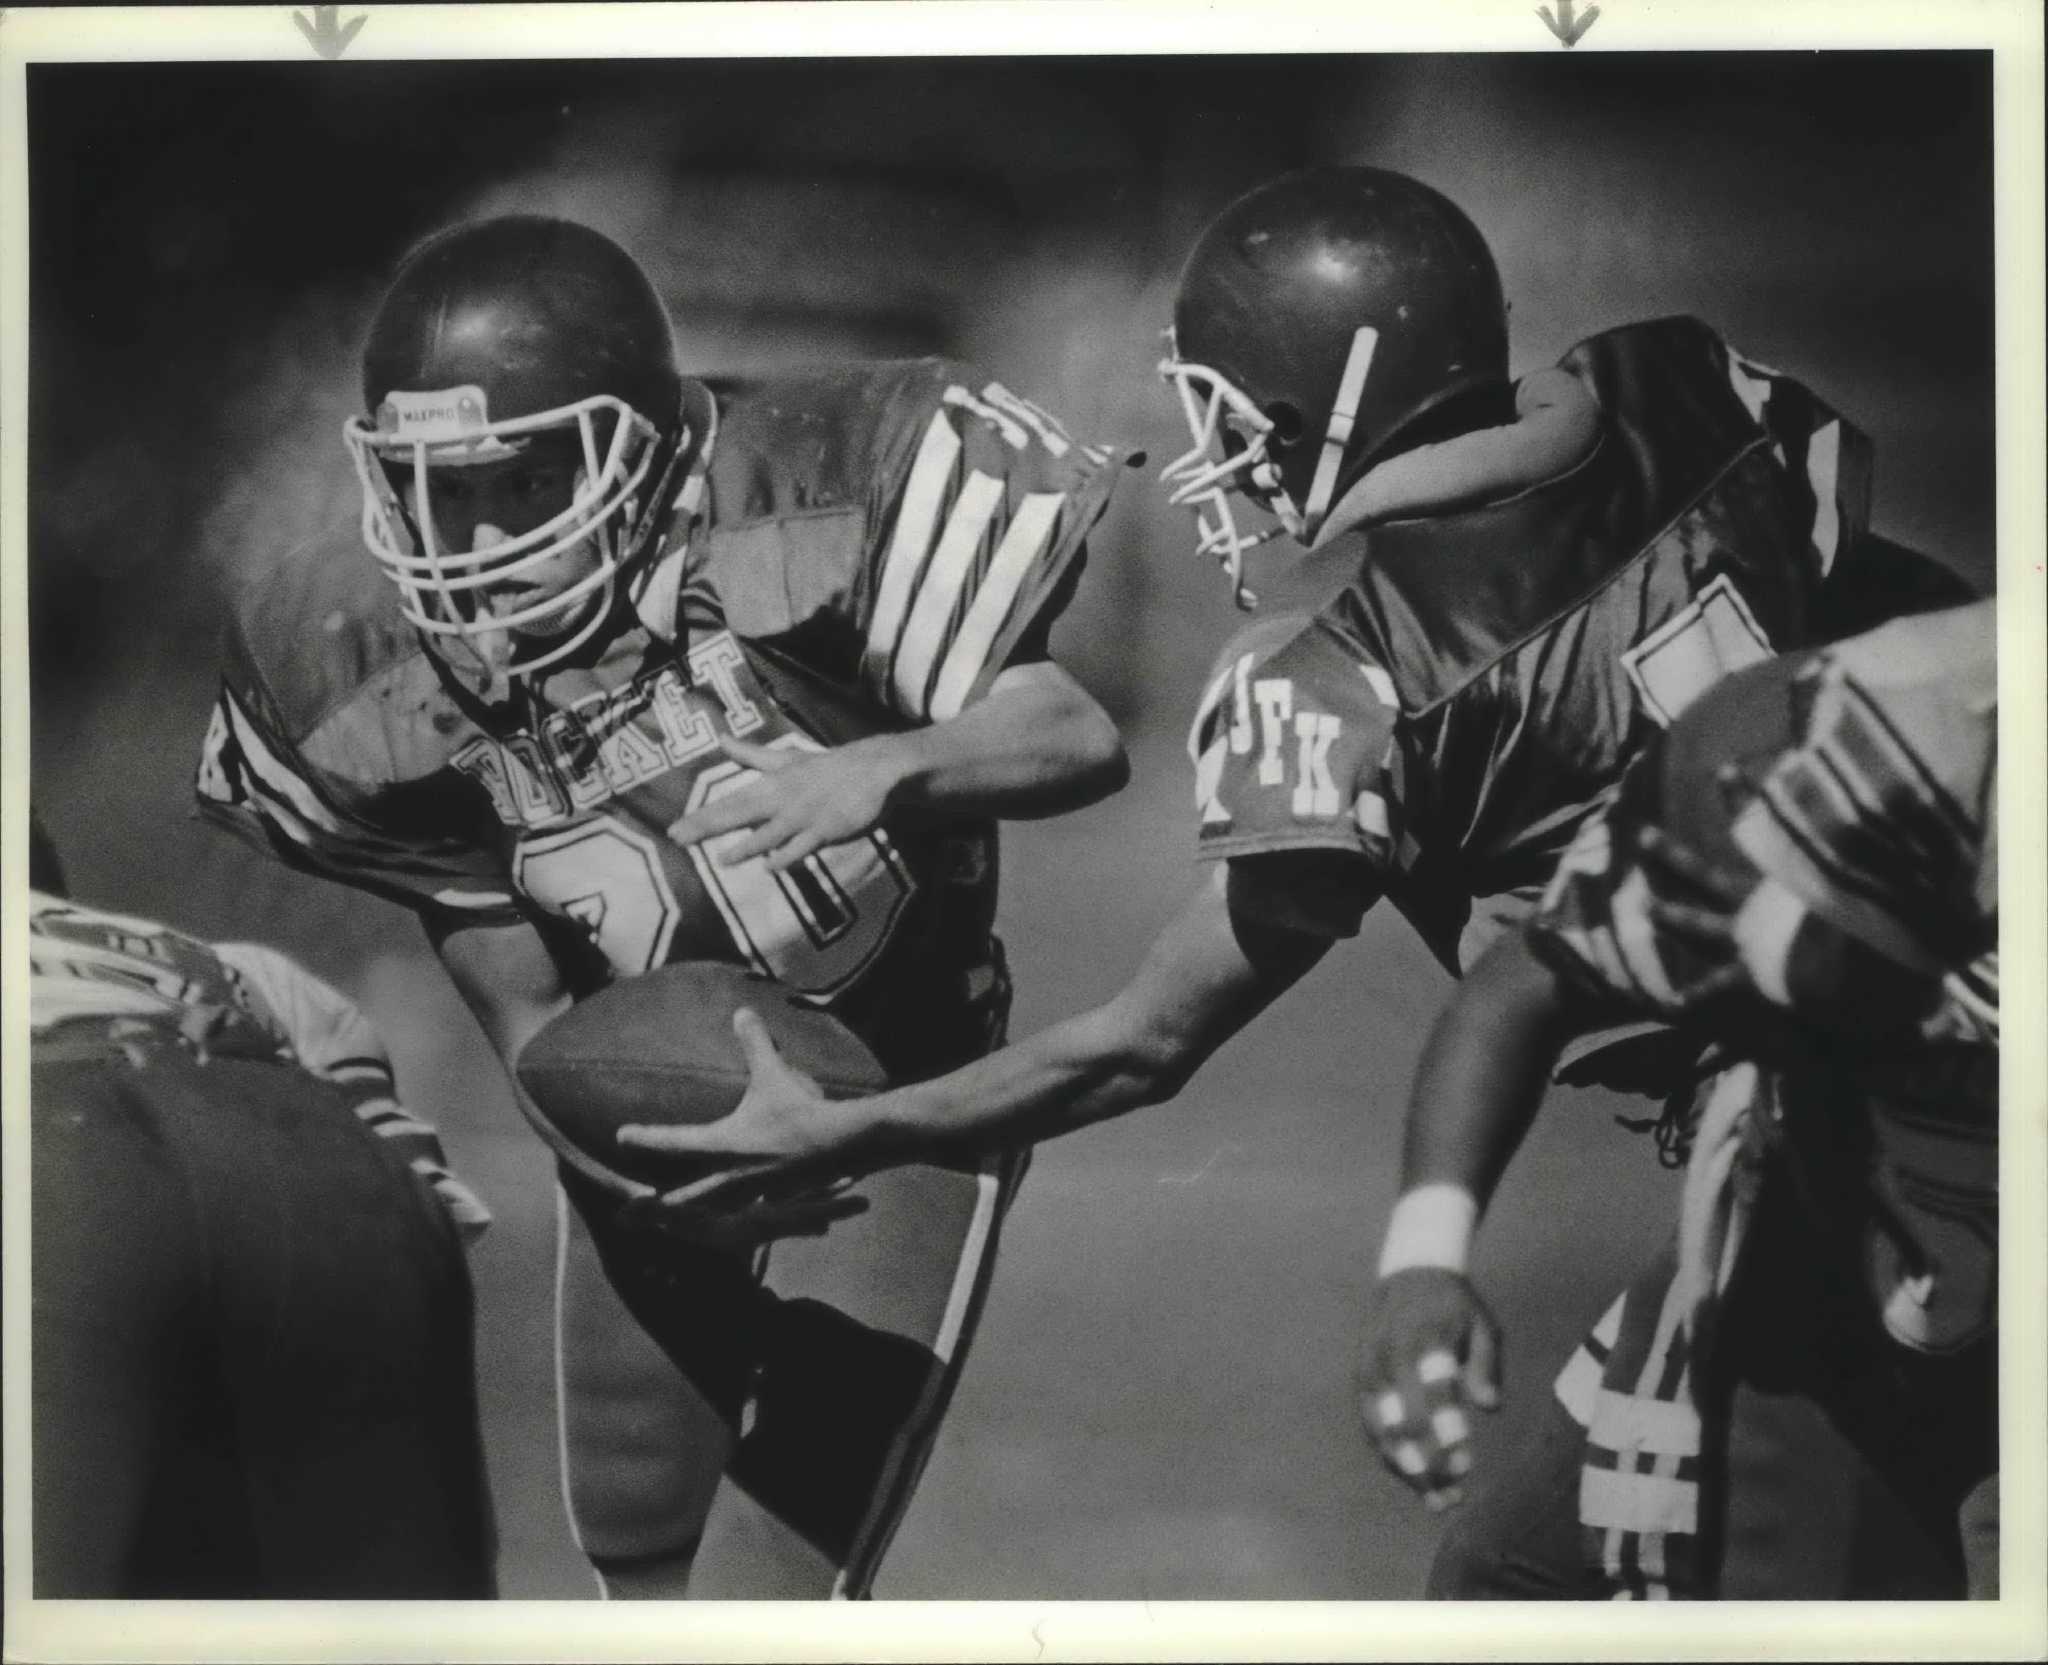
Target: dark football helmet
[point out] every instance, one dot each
(495, 337)
(1319, 319)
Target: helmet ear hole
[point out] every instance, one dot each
(1288, 425)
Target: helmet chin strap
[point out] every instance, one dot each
(1343, 415)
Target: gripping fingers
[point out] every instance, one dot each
(765, 760)
(811, 1214)
(805, 843)
(722, 815)
(742, 1222)
(1423, 1431)
(777, 830)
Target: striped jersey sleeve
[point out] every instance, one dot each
(1825, 456)
(982, 505)
(343, 820)
(1880, 818)
(330, 1037)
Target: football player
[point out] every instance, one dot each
(619, 598)
(251, 1322)
(1804, 873)
(1538, 577)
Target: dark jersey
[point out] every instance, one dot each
(873, 546)
(1452, 715)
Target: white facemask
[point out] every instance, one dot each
(1203, 477)
(419, 432)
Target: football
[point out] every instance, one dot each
(659, 1049)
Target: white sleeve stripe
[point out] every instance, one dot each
(332, 847)
(1041, 422)
(1011, 564)
(1752, 384)
(55, 998)
(473, 898)
(282, 787)
(1212, 696)
(1013, 435)
(357, 1070)
(916, 520)
(945, 581)
(279, 816)
(1381, 684)
(50, 955)
(338, 854)
(274, 775)
(1823, 467)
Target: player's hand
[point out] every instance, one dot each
(1430, 1355)
(802, 801)
(782, 1139)
(740, 1220)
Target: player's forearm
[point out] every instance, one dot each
(1035, 745)
(1087, 1069)
(506, 977)
(1483, 1074)
(1206, 976)
(1484, 1071)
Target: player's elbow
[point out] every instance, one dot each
(1076, 754)
(1098, 765)
(1082, 744)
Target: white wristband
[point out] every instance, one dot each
(1431, 1226)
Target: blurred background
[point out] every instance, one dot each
(1159, 1404)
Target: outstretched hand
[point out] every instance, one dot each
(800, 801)
(1429, 1356)
(783, 1142)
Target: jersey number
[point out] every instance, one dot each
(814, 928)
(609, 878)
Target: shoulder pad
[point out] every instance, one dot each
(1448, 596)
(806, 441)
(317, 642)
